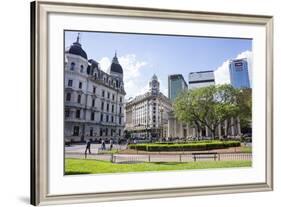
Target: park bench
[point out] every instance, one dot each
(204, 155)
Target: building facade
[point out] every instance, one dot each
(176, 84)
(239, 75)
(94, 100)
(201, 79)
(147, 114)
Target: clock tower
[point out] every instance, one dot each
(154, 85)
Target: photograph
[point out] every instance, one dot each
(139, 102)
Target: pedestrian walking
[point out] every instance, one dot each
(88, 147)
(102, 145)
(111, 144)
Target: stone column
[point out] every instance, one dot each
(238, 126)
(169, 127)
(219, 128)
(232, 126)
(225, 128)
(181, 130)
(175, 128)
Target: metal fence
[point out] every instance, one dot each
(120, 158)
(136, 158)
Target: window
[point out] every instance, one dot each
(81, 68)
(102, 93)
(91, 131)
(120, 120)
(68, 96)
(120, 99)
(95, 76)
(108, 95)
(102, 106)
(70, 82)
(119, 132)
(93, 102)
(66, 113)
(112, 131)
(72, 65)
(101, 132)
(120, 110)
(107, 107)
(94, 89)
(101, 117)
(112, 118)
(79, 99)
(93, 116)
(80, 85)
(78, 114)
(107, 118)
(106, 131)
(112, 108)
(113, 97)
(75, 130)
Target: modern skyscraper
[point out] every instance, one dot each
(201, 79)
(176, 84)
(239, 76)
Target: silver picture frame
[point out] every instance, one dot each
(39, 100)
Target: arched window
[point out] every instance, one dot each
(81, 68)
(72, 65)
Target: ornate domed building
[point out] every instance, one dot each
(94, 99)
(147, 114)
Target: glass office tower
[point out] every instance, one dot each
(176, 84)
(239, 75)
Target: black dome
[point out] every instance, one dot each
(76, 49)
(116, 67)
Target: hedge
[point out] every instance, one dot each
(185, 146)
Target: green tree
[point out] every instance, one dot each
(210, 106)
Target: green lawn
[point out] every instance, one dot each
(78, 166)
(246, 149)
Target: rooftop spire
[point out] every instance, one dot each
(78, 38)
(115, 59)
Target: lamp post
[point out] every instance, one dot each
(161, 126)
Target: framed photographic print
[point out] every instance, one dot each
(135, 103)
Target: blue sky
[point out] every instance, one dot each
(143, 55)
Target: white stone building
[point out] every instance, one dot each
(94, 100)
(147, 114)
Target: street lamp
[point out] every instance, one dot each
(161, 113)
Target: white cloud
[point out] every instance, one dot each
(222, 75)
(131, 66)
(133, 80)
(104, 64)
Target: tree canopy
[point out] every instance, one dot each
(210, 106)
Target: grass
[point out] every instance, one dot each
(113, 151)
(78, 166)
(246, 149)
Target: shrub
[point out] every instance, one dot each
(193, 146)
